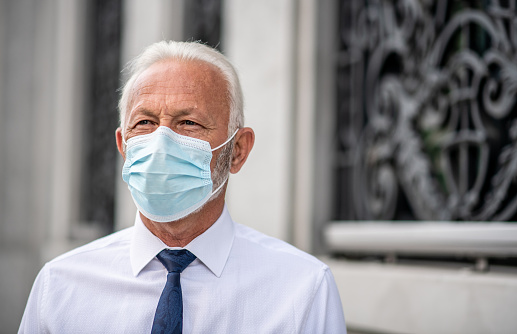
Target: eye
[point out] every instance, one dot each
(188, 127)
(143, 126)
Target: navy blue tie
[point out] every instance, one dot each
(169, 313)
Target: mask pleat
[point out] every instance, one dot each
(168, 174)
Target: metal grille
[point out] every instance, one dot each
(426, 119)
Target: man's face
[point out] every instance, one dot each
(188, 97)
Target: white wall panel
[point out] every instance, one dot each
(410, 299)
(258, 39)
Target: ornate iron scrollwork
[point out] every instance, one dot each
(435, 113)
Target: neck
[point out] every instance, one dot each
(181, 232)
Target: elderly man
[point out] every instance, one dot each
(184, 266)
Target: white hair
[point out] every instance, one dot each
(185, 51)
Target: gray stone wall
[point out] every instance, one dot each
(26, 33)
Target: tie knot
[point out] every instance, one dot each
(175, 261)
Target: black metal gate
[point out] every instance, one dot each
(426, 119)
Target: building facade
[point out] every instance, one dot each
(385, 143)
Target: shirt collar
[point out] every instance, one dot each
(212, 247)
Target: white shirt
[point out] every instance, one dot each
(241, 282)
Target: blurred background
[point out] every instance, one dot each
(386, 143)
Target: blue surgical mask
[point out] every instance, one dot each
(169, 174)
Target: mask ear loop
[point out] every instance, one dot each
(124, 147)
(218, 147)
(227, 141)
(220, 186)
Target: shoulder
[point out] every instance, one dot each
(271, 249)
(90, 264)
(118, 241)
(281, 269)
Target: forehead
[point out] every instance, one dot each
(170, 77)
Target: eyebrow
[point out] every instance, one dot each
(147, 112)
(139, 112)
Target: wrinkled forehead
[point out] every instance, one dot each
(175, 83)
(194, 76)
(191, 76)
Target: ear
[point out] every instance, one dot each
(244, 140)
(120, 143)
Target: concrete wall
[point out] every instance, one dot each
(397, 298)
(259, 195)
(25, 109)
